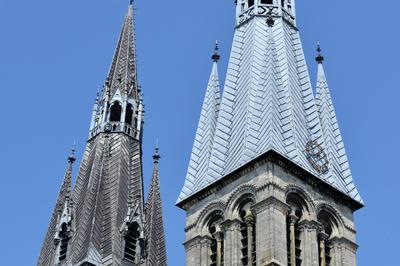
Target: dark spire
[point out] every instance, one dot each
(215, 57)
(319, 58)
(154, 227)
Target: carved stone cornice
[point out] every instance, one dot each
(343, 242)
(274, 202)
(271, 184)
(276, 158)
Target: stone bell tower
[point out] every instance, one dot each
(268, 181)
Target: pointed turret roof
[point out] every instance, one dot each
(201, 152)
(154, 227)
(123, 74)
(333, 142)
(63, 200)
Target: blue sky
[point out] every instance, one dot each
(54, 56)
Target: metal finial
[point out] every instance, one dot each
(215, 57)
(71, 157)
(319, 57)
(156, 155)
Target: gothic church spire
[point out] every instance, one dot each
(333, 142)
(61, 214)
(155, 249)
(204, 138)
(267, 104)
(108, 224)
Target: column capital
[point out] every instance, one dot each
(310, 225)
(323, 236)
(230, 225)
(249, 218)
(292, 217)
(274, 202)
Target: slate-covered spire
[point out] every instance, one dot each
(123, 75)
(121, 95)
(267, 103)
(333, 142)
(154, 227)
(61, 213)
(204, 138)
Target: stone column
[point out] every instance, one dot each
(249, 220)
(343, 251)
(219, 236)
(205, 251)
(193, 251)
(271, 231)
(232, 242)
(309, 242)
(322, 241)
(292, 220)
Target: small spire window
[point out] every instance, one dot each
(131, 242)
(115, 112)
(266, 2)
(64, 239)
(129, 114)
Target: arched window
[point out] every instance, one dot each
(129, 114)
(64, 239)
(251, 3)
(329, 225)
(217, 242)
(298, 206)
(131, 242)
(248, 233)
(267, 2)
(115, 112)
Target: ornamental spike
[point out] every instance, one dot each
(215, 57)
(319, 58)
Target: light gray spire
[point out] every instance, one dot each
(267, 103)
(203, 142)
(61, 212)
(155, 249)
(338, 163)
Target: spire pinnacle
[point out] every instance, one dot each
(215, 57)
(156, 156)
(319, 58)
